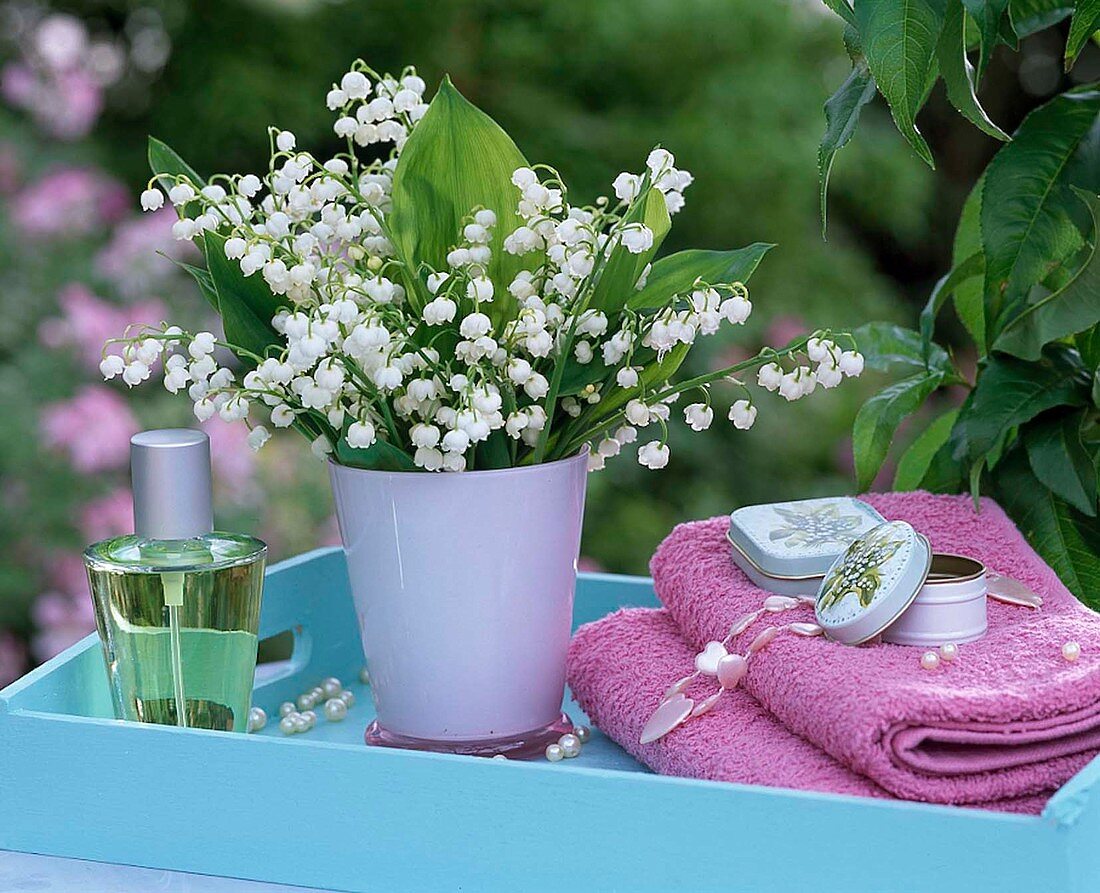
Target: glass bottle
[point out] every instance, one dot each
(177, 604)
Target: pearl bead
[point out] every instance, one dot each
(286, 708)
(364, 676)
(332, 687)
(306, 701)
(317, 693)
(310, 717)
(257, 719)
(288, 725)
(335, 710)
(301, 724)
(1071, 651)
(929, 660)
(949, 651)
(583, 733)
(555, 753)
(499, 756)
(348, 697)
(570, 745)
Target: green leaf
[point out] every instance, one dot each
(878, 420)
(164, 161)
(1031, 16)
(1068, 541)
(969, 269)
(456, 159)
(841, 117)
(1086, 22)
(616, 283)
(246, 304)
(677, 273)
(842, 9)
(886, 346)
(1059, 460)
(958, 74)
(916, 461)
(1009, 393)
(899, 40)
(379, 456)
(1026, 227)
(969, 305)
(493, 452)
(987, 14)
(1073, 308)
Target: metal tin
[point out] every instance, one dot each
(787, 547)
(950, 606)
(872, 584)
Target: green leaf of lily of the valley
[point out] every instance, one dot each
(841, 117)
(1073, 308)
(958, 74)
(616, 284)
(899, 40)
(379, 456)
(164, 161)
(246, 304)
(456, 159)
(1086, 22)
(1068, 541)
(677, 273)
(878, 419)
(1009, 393)
(1058, 458)
(915, 462)
(1025, 217)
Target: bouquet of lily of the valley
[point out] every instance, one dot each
(443, 306)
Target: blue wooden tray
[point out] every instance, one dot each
(323, 810)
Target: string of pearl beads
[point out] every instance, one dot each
(299, 716)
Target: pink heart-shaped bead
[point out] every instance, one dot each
(666, 718)
(731, 670)
(706, 661)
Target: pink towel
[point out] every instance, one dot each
(620, 666)
(1010, 717)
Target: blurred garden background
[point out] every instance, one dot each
(733, 87)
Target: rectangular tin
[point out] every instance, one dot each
(322, 810)
(786, 547)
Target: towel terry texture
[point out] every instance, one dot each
(1004, 725)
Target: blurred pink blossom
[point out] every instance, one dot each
(68, 574)
(57, 80)
(588, 565)
(88, 321)
(784, 329)
(69, 201)
(139, 256)
(329, 533)
(93, 428)
(110, 515)
(232, 459)
(62, 620)
(13, 658)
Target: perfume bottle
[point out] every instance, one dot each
(177, 604)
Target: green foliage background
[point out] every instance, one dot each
(733, 87)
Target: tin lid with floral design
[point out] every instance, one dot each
(802, 538)
(873, 582)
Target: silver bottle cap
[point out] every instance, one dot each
(170, 472)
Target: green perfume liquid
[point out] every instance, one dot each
(178, 620)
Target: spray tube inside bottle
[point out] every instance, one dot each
(173, 505)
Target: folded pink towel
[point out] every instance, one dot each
(1010, 717)
(620, 666)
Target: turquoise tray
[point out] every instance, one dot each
(323, 810)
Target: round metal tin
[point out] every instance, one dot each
(950, 606)
(873, 582)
